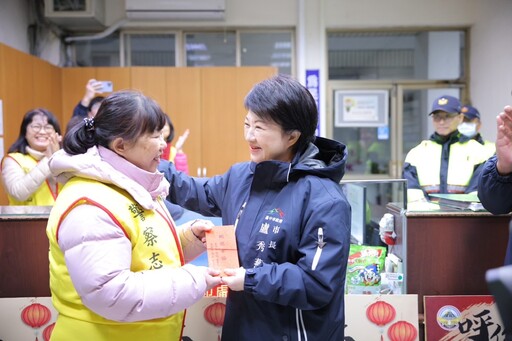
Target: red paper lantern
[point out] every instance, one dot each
(214, 314)
(36, 315)
(380, 313)
(47, 332)
(402, 331)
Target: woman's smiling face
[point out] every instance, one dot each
(145, 152)
(267, 140)
(39, 132)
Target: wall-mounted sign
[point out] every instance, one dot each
(361, 108)
(313, 85)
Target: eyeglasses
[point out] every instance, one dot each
(448, 117)
(37, 128)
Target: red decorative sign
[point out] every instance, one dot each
(457, 318)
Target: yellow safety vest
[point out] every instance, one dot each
(77, 322)
(463, 158)
(490, 148)
(44, 195)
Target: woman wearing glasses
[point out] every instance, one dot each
(25, 173)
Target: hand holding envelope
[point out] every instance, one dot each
(234, 278)
(199, 228)
(221, 248)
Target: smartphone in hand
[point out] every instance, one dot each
(106, 86)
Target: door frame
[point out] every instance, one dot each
(396, 91)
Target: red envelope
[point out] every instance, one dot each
(221, 248)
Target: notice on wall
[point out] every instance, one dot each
(358, 108)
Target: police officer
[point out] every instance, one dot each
(471, 128)
(448, 162)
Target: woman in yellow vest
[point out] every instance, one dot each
(117, 261)
(25, 173)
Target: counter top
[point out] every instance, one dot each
(24, 212)
(430, 209)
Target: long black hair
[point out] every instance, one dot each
(125, 114)
(20, 145)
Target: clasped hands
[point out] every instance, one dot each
(233, 278)
(55, 140)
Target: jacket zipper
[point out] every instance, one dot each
(239, 214)
(319, 248)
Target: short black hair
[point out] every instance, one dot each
(285, 101)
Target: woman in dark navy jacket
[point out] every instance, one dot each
(292, 220)
(495, 183)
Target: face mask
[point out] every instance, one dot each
(468, 129)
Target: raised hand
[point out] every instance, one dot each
(504, 141)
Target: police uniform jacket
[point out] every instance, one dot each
(443, 165)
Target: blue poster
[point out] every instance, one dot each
(313, 85)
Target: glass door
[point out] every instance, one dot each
(361, 115)
(380, 122)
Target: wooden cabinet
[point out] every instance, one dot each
(75, 79)
(208, 101)
(184, 108)
(24, 256)
(223, 114)
(26, 82)
(448, 253)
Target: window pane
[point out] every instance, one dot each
(150, 50)
(396, 55)
(211, 49)
(101, 52)
(67, 5)
(267, 49)
(369, 151)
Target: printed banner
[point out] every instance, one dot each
(458, 318)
